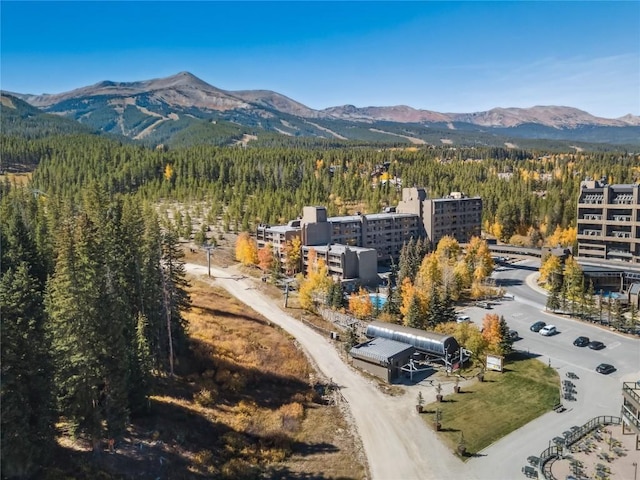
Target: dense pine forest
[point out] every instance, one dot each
(524, 192)
(93, 286)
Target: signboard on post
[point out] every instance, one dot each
(495, 362)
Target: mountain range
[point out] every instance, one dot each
(183, 109)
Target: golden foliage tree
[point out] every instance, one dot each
(550, 266)
(360, 304)
(316, 281)
(573, 279)
(448, 249)
(246, 249)
(407, 292)
(491, 332)
(562, 237)
(478, 259)
(429, 274)
(168, 172)
(293, 253)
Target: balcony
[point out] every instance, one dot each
(593, 198)
(591, 233)
(621, 218)
(623, 199)
(620, 234)
(591, 216)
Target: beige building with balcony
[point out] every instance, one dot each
(608, 221)
(455, 215)
(377, 237)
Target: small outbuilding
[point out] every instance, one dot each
(382, 357)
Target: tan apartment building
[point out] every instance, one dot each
(278, 236)
(346, 263)
(456, 215)
(385, 233)
(608, 221)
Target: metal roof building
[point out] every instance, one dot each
(382, 357)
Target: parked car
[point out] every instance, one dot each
(548, 330)
(537, 326)
(581, 341)
(462, 318)
(512, 336)
(595, 345)
(605, 368)
(486, 305)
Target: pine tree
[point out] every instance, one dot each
(175, 298)
(506, 346)
(447, 311)
(26, 386)
(413, 318)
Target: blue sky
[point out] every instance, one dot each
(442, 56)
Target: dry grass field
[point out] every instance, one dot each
(245, 404)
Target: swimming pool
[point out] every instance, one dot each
(378, 300)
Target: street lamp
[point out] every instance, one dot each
(635, 470)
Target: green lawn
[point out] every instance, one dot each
(487, 411)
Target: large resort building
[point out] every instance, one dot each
(353, 245)
(608, 221)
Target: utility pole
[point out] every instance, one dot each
(208, 248)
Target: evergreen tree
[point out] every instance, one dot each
(414, 316)
(352, 338)
(73, 305)
(334, 295)
(506, 345)
(447, 310)
(26, 388)
(175, 298)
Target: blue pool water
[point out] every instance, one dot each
(378, 300)
(612, 295)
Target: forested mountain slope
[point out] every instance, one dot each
(183, 109)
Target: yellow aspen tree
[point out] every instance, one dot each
(360, 304)
(491, 332)
(448, 248)
(293, 254)
(429, 274)
(407, 292)
(316, 281)
(550, 266)
(246, 249)
(478, 259)
(168, 172)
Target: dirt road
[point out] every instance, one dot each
(397, 443)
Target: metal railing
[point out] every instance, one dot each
(551, 454)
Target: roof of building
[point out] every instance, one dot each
(380, 350)
(279, 228)
(344, 219)
(376, 216)
(338, 248)
(284, 228)
(634, 289)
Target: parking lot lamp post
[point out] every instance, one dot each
(635, 470)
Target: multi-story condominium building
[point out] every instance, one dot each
(278, 236)
(416, 216)
(386, 232)
(608, 221)
(455, 215)
(346, 262)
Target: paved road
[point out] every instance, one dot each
(597, 394)
(397, 443)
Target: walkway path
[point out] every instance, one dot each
(397, 443)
